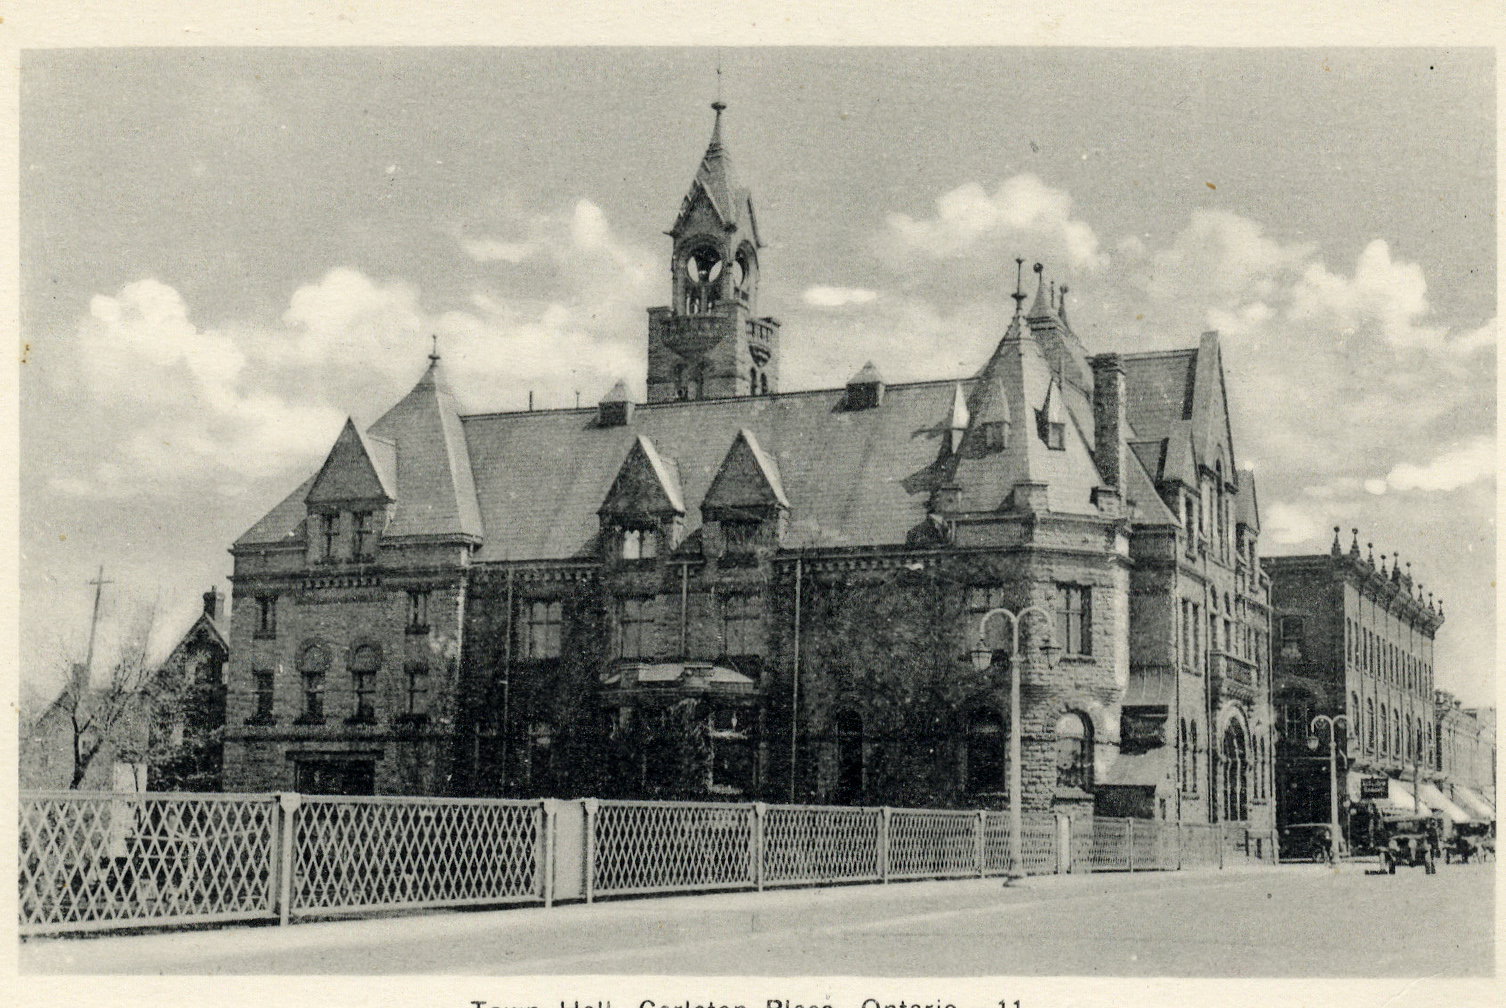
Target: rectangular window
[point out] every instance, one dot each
(365, 684)
(365, 542)
(266, 615)
(1074, 619)
(418, 688)
(1186, 632)
(742, 625)
(313, 696)
(541, 633)
(1291, 628)
(418, 611)
(329, 531)
(740, 536)
(980, 600)
(639, 544)
(1197, 636)
(634, 627)
(264, 695)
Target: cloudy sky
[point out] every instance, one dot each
(225, 252)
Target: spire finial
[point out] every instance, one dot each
(1354, 544)
(715, 146)
(1335, 549)
(1061, 308)
(1019, 290)
(434, 353)
(1041, 305)
(1371, 547)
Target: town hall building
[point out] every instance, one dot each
(736, 591)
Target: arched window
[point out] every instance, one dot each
(1396, 732)
(985, 752)
(849, 758)
(1385, 731)
(364, 662)
(1370, 724)
(1074, 751)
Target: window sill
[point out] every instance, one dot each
(361, 719)
(410, 722)
(259, 721)
(1072, 793)
(416, 630)
(308, 720)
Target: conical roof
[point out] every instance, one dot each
(717, 181)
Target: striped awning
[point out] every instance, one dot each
(1483, 810)
(1435, 800)
(1398, 800)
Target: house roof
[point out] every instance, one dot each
(1177, 398)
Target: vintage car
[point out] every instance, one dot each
(1470, 840)
(1307, 842)
(1410, 842)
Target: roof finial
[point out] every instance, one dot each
(1061, 309)
(1371, 547)
(1354, 544)
(1335, 549)
(716, 128)
(434, 354)
(1019, 290)
(1041, 305)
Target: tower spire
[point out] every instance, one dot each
(1019, 291)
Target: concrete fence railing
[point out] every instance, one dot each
(93, 861)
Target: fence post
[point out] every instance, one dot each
(548, 822)
(884, 843)
(1129, 843)
(1179, 845)
(287, 803)
(978, 852)
(1219, 827)
(589, 804)
(757, 852)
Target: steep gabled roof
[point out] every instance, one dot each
(645, 485)
(1158, 403)
(356, 468)
(435, 489)
(1246, 503)
(716, 183)
(748, 478)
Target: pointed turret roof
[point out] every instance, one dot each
(717, 181)
(436, 494)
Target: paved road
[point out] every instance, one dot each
(1291, 921)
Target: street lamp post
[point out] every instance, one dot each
(1333, 774)
(983, 659)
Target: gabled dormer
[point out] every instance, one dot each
(350, 498)
(643, 514)
(745, 508)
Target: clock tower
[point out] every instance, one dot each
(709, 341)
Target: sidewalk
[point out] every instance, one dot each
(532, 932)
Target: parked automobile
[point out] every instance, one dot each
(1410, 842)
(1470, 840)
(1307, 842)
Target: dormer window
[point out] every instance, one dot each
(329, 534)
(996, 435)
(637, 544)
(1053, 433)
(365, 538)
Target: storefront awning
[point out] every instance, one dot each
(1481, 808)
(1397, 800)
(1435, 800)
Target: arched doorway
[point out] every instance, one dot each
(985, 752)
(1074, 751)
(1235, 773)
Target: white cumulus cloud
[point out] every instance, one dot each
(837, 297)
(1457, 467)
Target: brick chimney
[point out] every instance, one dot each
(212, 600)
(1110, 419)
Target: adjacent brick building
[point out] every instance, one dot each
(1355, 640)
(732, 590)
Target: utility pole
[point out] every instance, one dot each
(99, 582)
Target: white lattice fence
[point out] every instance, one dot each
(821, 844)
(1111, 845)
(666, 846)
(352, 854)
(927, 843)
(89, 861)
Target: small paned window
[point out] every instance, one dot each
(417, 698)
(541, 637)
(418, 611)
(634, 627)
(1074, 619)
(266, 615)
(264, 695)
(329, 531)
(364, 663)
(365, 541)
(313, 696)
